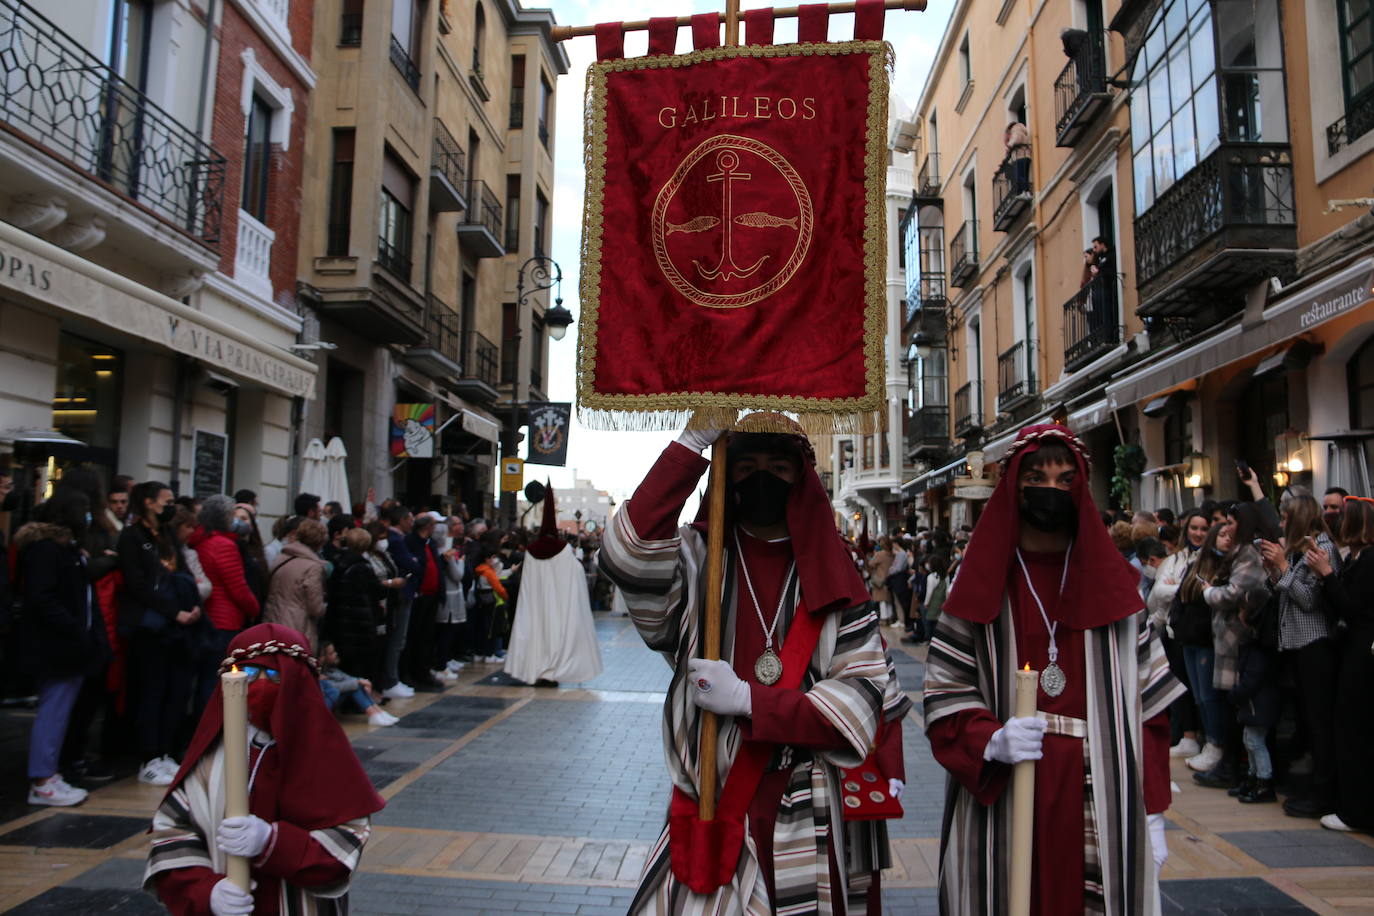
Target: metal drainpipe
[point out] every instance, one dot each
(212, 8)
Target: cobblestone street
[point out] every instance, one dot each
(511, 800)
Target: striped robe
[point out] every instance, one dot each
(663, 582)
(972, 666)
(183, 837)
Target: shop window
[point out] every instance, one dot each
(1261, 415)
(86, 401)
(1360, 382)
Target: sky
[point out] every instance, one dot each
(617, 461)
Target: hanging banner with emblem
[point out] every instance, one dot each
(549, 434)
(734, 237)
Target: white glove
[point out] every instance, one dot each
(715, 686)
(1158, 845)
(895, 787)
(698, 439)
(1017, 741)
(245, 836)
(228, 899)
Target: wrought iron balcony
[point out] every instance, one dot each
(968, 409)
(1357, 121)
(1011, 190)
(1220, 228)
(447, 172)
(479, 228)
(439, 354)
(928, 180)
(1092, 323)
(963, 254)
(1080, 91)
(1016, 381)
(394, 258)
(400, 59)
(480, 361)
(65, 102)
(927, 431)
(930, 323)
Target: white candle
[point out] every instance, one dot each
(1023, 802)
(234, 687)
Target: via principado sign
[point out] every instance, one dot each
(512, 475)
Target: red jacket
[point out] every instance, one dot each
(231, 605)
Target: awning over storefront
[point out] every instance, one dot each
(936, 478)
(33, 269)
(1336, 295)
(480, 426)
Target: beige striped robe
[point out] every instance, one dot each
(663, 583)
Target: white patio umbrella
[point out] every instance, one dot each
(314, 478)
(335, 487)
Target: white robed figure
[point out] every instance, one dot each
(554, 637)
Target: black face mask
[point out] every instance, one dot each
(1332, 519)
(1048, 509)
(168, 513)
(761, 498)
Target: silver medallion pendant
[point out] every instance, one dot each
(1052, 680)
(768, 667)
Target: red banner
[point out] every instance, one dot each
(735, 241)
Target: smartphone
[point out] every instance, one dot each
(1243, 468)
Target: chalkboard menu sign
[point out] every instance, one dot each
(209, 463)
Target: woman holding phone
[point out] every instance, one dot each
(1305, 640)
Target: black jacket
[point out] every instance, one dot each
(61, 632)
(354, 600)
(96, 542)
(141, 562)
(1256, 694)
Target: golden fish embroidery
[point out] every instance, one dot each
(700, 224)
(761, 220)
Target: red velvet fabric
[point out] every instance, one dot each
(610, 40)
(868, 20)
(705, 31)
(758, 26)
(312, 778)
(662, 34)
(795, 326)
(1101, 585)
(548, 544)
(813, 21)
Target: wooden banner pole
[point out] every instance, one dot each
(564, 32)
(710, 629)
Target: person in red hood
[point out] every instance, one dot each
(310, 800)
(1042, 585)
(232, 604)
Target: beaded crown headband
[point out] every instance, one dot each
(269, 647)
(1049, 432)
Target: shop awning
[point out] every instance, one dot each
(1336, 295)
(937, 478)
(480, 426)
(36, 270)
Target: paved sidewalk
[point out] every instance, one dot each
(515, 800)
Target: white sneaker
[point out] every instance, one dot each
(445, 675)
(493, 659)
(169, 765)
(382, 718)
(55, 791)
(1209, 758)
(398, 691)
(1186, 747)
(454, 665)
(1334, 822)
(155, 774)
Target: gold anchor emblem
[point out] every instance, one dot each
(772, 257)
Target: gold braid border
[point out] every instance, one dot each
(864, 414)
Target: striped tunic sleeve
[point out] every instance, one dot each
(176, 843)
(345, 843)
(652, 577)
(1158, 686)
(851, 696)
(951, 684)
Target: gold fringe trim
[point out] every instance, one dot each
(740, 419)
(861, 415)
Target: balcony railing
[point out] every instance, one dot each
(448, 172)
(442, 331)
(928, 178)
(517, 111)
(968, 408)
(1238, 186)
(963, 254)
(350, 30)
(1011, 190)
(481, 358)
(1080, 91)
(1016, 374)
(1092, 323)
(400, 59)
(60, 97)
(393, 257)
(927, 430)
(930, 324)
(1358, 121)
(253, 255)
(479, 228)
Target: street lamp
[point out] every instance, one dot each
(544, 273)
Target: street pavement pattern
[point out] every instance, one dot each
(514, 800)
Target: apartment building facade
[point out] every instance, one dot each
(149, 174)
(1224, 314)
(430, 184)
